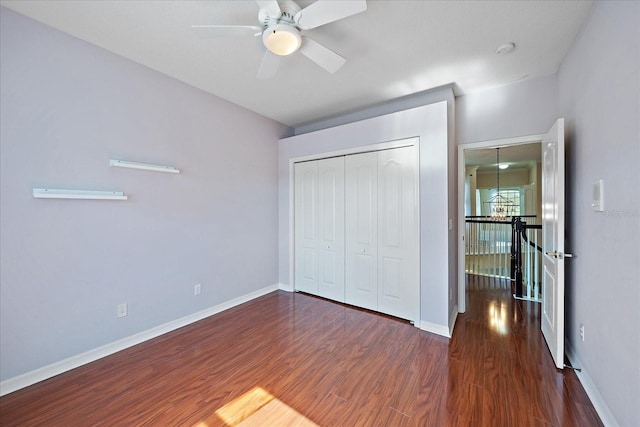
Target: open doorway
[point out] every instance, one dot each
(498, 182)
(552, 184)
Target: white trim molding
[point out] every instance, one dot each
(452, 320)
(461, 220)
(286, 288)
(590, 388)
(435, 328)
(21, 381)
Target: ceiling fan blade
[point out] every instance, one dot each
(212, 31)
(268, 66)
(324, 57)
(271, 6)
(323, 12)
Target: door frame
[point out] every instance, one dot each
(412, 141)
(495, 143)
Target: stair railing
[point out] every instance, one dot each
(506, 248)
(526, 259)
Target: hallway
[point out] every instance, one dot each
(498, 340)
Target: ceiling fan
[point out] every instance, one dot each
(281, 24)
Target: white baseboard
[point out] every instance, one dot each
(452, 320)
(286, 288)
(16, 383)
(435, 328)
(590, 388)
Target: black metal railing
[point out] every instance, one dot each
(518, 236)
(506, 248)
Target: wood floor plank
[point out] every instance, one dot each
(495, 398)
(300, 360)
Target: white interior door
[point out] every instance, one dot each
(361, 284)
(397, 233)
(306, 226)
(331, 255)
(553, 241)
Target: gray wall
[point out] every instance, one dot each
(599, 83)
(508, 178)
(67, 107)
(525, 108)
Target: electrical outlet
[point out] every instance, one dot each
(582, 332)
(122, 309)
(197, 289)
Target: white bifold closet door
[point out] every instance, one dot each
(319, 228)
(356, 230)
(382, 232)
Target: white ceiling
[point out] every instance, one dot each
(516, 156)
(394, 48)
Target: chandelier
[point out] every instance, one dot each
(498, 206)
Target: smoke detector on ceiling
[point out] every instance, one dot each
(506, 48)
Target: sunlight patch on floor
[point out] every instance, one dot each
(257, 407)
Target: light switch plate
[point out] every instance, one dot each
(598, 196)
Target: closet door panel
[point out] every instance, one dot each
(397, 233)
(361, 230)
(331, 229)
(391, 277)
(306, 227)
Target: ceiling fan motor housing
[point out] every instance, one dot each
(289, 10)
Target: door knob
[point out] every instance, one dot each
(559, 255)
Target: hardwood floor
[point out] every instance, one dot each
(293, 359)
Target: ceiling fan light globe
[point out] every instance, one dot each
(282, 39)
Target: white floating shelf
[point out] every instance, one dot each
(51, 193)
(143, 166)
